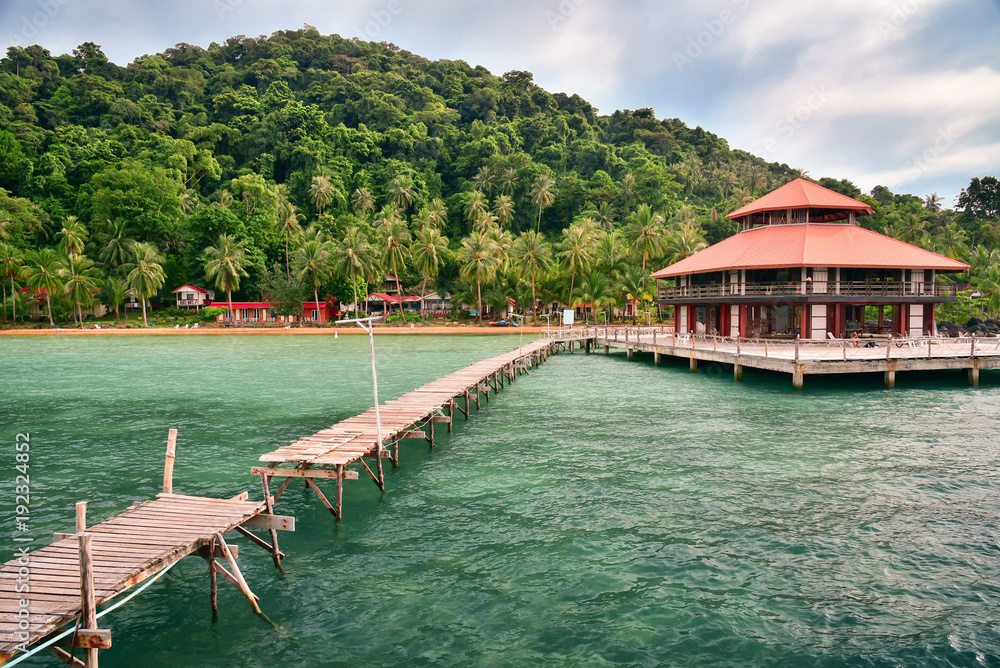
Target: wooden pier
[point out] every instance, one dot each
(800, 358)
(44, 590)
(328, 453)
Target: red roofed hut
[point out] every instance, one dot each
(801, 267)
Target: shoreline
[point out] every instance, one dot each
(266, 331)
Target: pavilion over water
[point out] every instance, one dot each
(802, 267)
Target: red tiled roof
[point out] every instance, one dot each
(224, 304)
(192, 287)
(802, 194)
(810, 245)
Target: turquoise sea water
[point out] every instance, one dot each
(600, 512)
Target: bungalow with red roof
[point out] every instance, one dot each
(191, 295)
(802, 267)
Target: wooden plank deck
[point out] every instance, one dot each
(412, 415)
(126, 549)
(806, 357)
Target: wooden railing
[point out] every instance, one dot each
(792, 288)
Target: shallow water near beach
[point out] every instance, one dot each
(598, 512)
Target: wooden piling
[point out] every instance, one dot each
(213, 596)
(275, 554)
(168, 468)
(81, 516)
(88, 599)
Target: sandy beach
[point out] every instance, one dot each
(271, 331)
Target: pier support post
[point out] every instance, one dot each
(275, 554)
(694, 364)
(737, 371)
(88, 608)
(797, 378)
(890, 379)
(451, 414)
(628, 354)
(656, 358)
(213, 596)
(466, 405)
(168, 467)
(974, 375)
(607, 350)
(338, 509)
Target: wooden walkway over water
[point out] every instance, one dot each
(328, 453)
(800, 358)
(42, 591)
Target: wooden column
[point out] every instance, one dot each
(628, 353)
(974, 374)
(275, 554)
(656, 358)
(694, 363)
(88, 609)
(607, 350)
(81, 516)
(168, 468)
(797, 378)
(213, 596)
(339, 508)
(890, 379)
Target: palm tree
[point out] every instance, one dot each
(427, 251)
(508, 181)
(610, 252)
(628, 188)
(503, 209)
(437, 213)
(225, 264)
(116, 247)
(44, 269)
(116, 290)
(632, 285)
(952, 241)
(646, 235)
(605, 216)
(290, 227)
(352, 258)
(81, 282)
(72, 236)
(543, 194)
(532, 257)
(10, 268)
(933, 202)
(313, 265)
(321, 191)
(402, 192)
(485, 180)
(683, 242)
(477, 263)
(146, 275)
(597, 289)
(577, 254)
(475, 206)
(363, 202)
(394, 239)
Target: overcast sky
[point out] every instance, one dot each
(903, 93)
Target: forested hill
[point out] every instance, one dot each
(180, 147)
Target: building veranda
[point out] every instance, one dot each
(801, 267)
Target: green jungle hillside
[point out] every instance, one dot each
(299, 164)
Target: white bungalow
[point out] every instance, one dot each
(191, 295)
